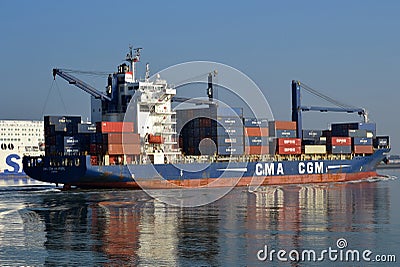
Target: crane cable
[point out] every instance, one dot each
(48, 95)
(325, 97)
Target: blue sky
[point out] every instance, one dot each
(346, 49)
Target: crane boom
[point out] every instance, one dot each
(80, 84)
(297, 108)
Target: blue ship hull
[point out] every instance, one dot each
(78, 171)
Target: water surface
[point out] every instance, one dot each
(44, 226)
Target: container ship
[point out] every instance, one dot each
(19, 138)
(137, 140)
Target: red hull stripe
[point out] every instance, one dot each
(229, 182)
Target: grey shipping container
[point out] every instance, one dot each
(307, 134)
(86, 128)
(340, 149)
(357, 133)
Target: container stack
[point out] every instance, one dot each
(256, 136)
(313, 142)
(229, 139)
(86, 131)
(339, 145)
(61, 135)
(284, 141)
(362, 145)
(354, 129)
(211, 131)
(194, 132)
(361, 135)
(119, 141)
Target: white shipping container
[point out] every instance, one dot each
(315, 149)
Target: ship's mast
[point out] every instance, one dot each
(132, 58)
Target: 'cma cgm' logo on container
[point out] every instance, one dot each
(13, 165)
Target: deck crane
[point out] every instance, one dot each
(80, 84)
(298, 108)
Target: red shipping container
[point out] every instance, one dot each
(289, 142)
(294, 150)
(256, 150)
(363, 150)
(114, 127)
(341, 141)
(256, 131)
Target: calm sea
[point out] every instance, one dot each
(312, 225)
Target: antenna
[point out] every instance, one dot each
(147, 72)
(133, 58)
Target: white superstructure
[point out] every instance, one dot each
(19, 138)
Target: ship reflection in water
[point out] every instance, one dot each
(128, 228)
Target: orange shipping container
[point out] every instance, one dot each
(256, 150)
(114, 127)
(363, 150)
(289, 142)
(155, 139)
(282, 125)
(119, 149)
(256, 131)
(127, 138)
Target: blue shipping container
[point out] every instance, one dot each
(369, 126)
(285, 134)
(232, 131)
(256, 141)
(230, 121)
(230, 150)
(363, 141)
(254, 122)
(71, 141)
